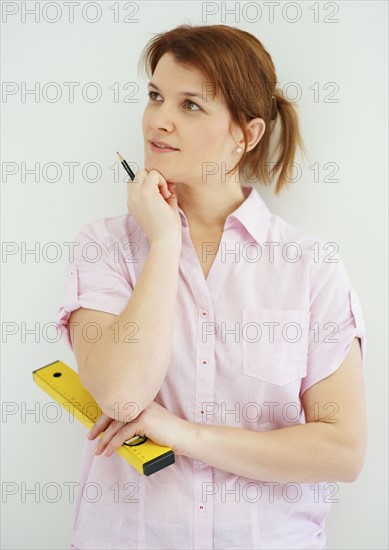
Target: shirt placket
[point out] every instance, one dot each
(204, 388)
(204, 401)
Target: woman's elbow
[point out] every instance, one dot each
(357, 456)
(123, 409)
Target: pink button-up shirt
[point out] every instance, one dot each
(276, 314)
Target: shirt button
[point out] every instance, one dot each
(201, 508)
(204, 313)
(204, 362)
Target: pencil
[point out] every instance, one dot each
(125, 166)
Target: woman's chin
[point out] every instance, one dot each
(152, 164)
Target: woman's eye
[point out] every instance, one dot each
(153, 94)
(195, 104)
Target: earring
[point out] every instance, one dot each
(239, 150)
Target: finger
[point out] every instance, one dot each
(156, 178)
(166, 193)
(99, 426)
(109, 433)
(140, 175)
(173, 193)
(125, 433)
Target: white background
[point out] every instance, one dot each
(352, 53)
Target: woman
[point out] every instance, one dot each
(244, 355)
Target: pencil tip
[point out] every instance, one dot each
(120, 156)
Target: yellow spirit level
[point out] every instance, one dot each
(63, 384)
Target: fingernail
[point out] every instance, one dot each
(88, 436)
(96, 450)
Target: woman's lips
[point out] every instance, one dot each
(156, 149)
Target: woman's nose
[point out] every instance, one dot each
(162, 117)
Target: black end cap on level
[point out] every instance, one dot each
(158, 463)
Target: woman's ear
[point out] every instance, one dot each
(255, 129)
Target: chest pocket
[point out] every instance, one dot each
(275, 344)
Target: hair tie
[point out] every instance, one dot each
(273, 108)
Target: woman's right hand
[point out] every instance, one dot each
(149, 202)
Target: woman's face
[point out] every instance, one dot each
(199, 130)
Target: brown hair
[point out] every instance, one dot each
(231, 59)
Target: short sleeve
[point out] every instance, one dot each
(96, 278)
(336, 318)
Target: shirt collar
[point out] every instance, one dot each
(253, 214)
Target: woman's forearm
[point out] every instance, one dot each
(303, 453)
(135, 355)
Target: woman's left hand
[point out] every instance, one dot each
(155, 422)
